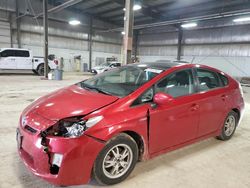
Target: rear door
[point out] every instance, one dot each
(212, 99)
(23, 59)
(7, 59)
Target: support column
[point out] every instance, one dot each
(128, 28)
(136, 43)
(180, 35)
(45, 30)
(18, 19)
(90, 41)
(11, 30)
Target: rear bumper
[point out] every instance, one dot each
(242, 110)
(78, 154)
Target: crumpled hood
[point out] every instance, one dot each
(68, 102)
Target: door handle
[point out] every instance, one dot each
(194, 107)
(223, 97)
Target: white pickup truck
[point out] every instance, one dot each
(22, 59)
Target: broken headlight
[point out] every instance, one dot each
(73, 127)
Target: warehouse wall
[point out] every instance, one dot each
(67, 41)
(5, 37)
(64, 40)
(226, 48)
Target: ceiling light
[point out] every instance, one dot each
(189, 25)
(243, 19)
(123, 32)
(136, 7)
(74, 22)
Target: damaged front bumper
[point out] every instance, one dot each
(65, 161)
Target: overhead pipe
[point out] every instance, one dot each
(60, 7)
(178, 21)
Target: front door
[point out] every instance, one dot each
(176, 122)
(23, 59)
(7, 59)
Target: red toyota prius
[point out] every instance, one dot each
(102, 126)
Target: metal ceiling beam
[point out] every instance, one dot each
(95, 16)
(201, 11)
(201, 7)
(146, 10)
(197, 18)
(61, 7)
(97, 6)
(110, 10)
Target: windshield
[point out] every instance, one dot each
(120, 81)
(104, 64)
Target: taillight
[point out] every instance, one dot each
(241, 90)
(56, 62)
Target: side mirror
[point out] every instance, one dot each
(162, 98)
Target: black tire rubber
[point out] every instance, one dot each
(35, 72)
(40, 70)
(98, 173)
(223, 136)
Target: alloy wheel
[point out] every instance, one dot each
(229, 125)
(117, 161)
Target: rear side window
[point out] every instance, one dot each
(207, 79)
(224, 80)
(22, 53)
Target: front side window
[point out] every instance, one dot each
(207, 80)
(177, 84)
(121, 81)
(8, 53)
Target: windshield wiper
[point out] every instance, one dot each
(95, 88)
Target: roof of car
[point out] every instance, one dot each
(1, 49)
(160, 65)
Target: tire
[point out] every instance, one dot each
(40, 70)
(107, 173)
(229, 126)
(35, 72)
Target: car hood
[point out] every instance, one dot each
(68, 102)
(100, 67)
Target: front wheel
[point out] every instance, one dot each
(229, 126)
(116, 161)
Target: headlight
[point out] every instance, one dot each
(73, 127)
(92, 121)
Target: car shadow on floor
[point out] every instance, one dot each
(27, 179)
(17, 74)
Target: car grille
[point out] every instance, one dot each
(30, 129)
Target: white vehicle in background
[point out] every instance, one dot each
(22, 59)
(104, 67)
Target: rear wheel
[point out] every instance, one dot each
(229, 126)
(116, 161)
(35, 72)
(40, 70)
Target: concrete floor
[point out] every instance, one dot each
(210, 163)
